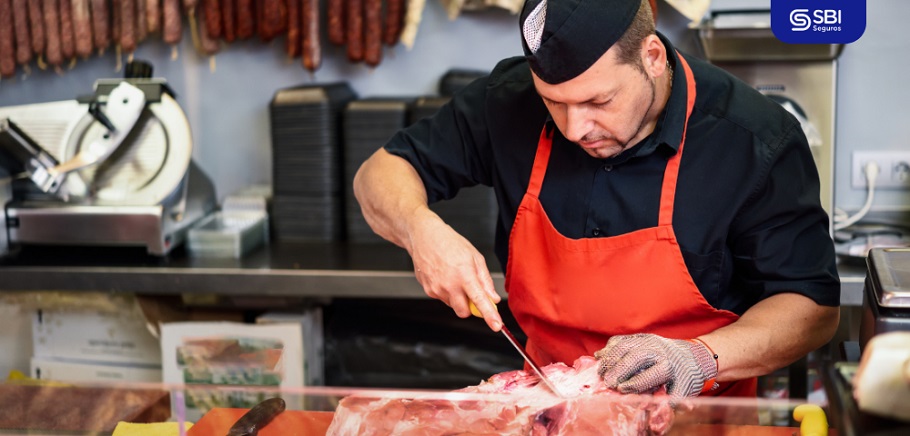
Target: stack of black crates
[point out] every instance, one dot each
(307, 162)
(321, 134)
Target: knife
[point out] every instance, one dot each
(521, 350)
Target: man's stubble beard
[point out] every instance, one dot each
(625, 145)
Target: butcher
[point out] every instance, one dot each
(654, 211)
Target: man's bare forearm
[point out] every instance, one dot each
(772, 334)
(390, 194)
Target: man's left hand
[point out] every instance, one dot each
(641, 363)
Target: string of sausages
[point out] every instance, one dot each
(56, 33)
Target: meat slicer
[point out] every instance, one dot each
(112, 169)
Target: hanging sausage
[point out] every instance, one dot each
(52, 52)
(372, 42)
(272, 18)
(82, 28)
(354, 29)
(127, 20)
(394, 15)
(67, 44)
(212, 19)
(36, 24)
(54, 31)
(101, 30)
(23, 38)
(142, 25)
(171, 22)
(153, 15)
(336, 21)
(227, 20)
(7, 43)
(246, 24)
(293, 41)
(312, 49)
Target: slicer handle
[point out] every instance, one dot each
(94, 108)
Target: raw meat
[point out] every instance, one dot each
(515, 403)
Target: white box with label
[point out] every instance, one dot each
(91, 335)
(90, 372)
(310, 321)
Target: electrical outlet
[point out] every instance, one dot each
(893, 169)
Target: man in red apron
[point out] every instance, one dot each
(612, 86)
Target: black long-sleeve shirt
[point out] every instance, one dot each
(747, 215)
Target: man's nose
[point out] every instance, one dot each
(578, 122)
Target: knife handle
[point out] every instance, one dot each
(476, 312)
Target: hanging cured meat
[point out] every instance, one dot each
(142, 26)
(212, 19)
(153, 15)
(292, 44)
(52, 53)
(246, 24)
(54, 31)
(354, 29)
(7, 43)
(336, 22)
(36, 24)
(82, 28)
(23, 38)
(101, 30)
(127, 25)
(207, 45)
(394, 15)
(372, 43)
(67, 44)
(228, 21)
(171, 22)
(272, 16)
(312, 50)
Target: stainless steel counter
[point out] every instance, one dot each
(282, 269)
(852, 279)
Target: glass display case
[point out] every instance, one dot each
(214, 410)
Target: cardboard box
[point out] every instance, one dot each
(232, 354)
(89, 372)
(94, 336)
(310, 321)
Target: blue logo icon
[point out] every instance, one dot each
(818, 21)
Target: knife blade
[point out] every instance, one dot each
(524, 354)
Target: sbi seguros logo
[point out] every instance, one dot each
(818, 21)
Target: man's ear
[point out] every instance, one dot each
(654, 56)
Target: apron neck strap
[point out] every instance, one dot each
(671, 173)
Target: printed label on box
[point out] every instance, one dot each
(94, 336)
(230, 354)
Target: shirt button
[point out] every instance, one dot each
(596, 232)
(608, 168)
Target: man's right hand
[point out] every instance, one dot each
(394, 204)
(450, 269)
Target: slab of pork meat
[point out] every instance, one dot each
(516, 404)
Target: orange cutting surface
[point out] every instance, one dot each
(217, 422)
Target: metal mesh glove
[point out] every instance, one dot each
(642, 362)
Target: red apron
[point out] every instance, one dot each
(571, 295)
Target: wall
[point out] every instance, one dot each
(228, 108)
(872, 101)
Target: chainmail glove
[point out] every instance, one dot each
(641, 363)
